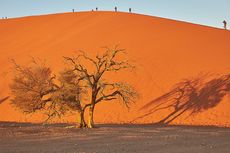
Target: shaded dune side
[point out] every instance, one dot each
(166, 52)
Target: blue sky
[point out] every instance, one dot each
(206, 12)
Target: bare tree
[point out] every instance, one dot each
(30, 86)
(91, 74)
(69, 95)
(35, 88)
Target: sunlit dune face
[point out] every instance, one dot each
(164, 51)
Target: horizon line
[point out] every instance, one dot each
(109, 11)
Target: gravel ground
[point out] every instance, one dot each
(59, 138)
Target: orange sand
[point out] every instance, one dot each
(165, 51)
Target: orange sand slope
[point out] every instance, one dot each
(165, 51)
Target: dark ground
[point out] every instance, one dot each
(36, 138)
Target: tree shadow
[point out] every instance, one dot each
(3, 99)
(191, 95)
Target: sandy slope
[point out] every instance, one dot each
(165, 51)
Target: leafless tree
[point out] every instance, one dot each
(30, 86)
(90, 73)
(69, 95)
(35, 88)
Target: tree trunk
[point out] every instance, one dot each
(91, 112)
(81, 120)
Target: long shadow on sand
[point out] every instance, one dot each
(191, 95)
(3, 99)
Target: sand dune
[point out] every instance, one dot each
(165, 51)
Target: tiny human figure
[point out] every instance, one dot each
(115, 9)
(73, 10)
(225, 24)
(92, 10)
(96, 9)
(130, 10)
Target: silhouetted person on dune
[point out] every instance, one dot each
(96, 9)
(115, 9)
(225, 24)
(73, 10)
(130, 10)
